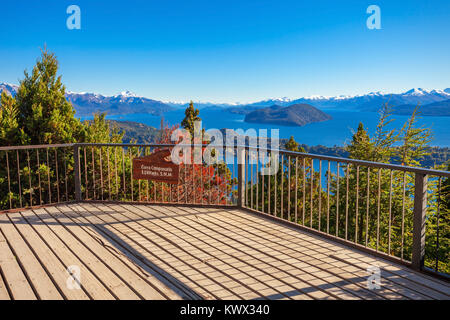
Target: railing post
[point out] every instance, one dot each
(420, 210)
(241, 176)
(76, 172)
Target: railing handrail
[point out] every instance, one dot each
(283, 151)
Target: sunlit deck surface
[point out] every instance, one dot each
(140, 251)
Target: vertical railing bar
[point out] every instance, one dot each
(320, 194)
(109, 174)
(131, 173)
(29, 178)
(282, 183)
(93, 172)
(123, 175)
(304, 192)
(357, 205)
(390, 213)
(177, 185)
(48, 179)
(347, 173)
(18, 176)
(269, 177)
(185, 166)
(419, 220)
(437, 225)
(194, 177)
(57, 174)
(66, 178)
(378, 208)
(328, 196)
(289, 189)
(77, 172)
(139, 198)
(251, 179)
(257, 179)
(275, 200)
(403, 214)
(116, 173)
(367, 206)
(148, 152)
(263, 166)
(337, 198)
(312, 194)
(245, 165)
(201, 178)
(39, 176)
(86, 174)
(9, 180)
(101, 172)
(296, 189)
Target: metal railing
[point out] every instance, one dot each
(48, 174)
(391, 210)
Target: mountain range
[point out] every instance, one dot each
(125, 102)
(432, 102)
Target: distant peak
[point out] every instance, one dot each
(416, 91)
(127, 94)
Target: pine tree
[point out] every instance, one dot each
(191, 115)
(361, 146)
(44, 113)
(10, 132)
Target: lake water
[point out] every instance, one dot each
(329, 133)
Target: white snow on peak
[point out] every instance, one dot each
(127, 94)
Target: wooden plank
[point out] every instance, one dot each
(191, 220)
(391, 272)
(164, 278)
(118, 262)
(202, 250)
(54, 266)
(88, 281)
(229, 263)
(231, 235)
(359, 278)
(4, 295)
(97, 267)
(165, 253)
(32, 266)
(15, 279)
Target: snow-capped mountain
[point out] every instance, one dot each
(122, 103)
(128, 102)
(8, 88)
(365, 102)
(125, 102)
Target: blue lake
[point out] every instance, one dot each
(337, 131)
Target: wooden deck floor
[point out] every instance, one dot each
(166, 252)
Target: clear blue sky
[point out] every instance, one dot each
(228, 51)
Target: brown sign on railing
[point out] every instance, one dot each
(157, 167)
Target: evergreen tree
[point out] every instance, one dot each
(43, 111)
(361, 146)
(191, 115)
(10, 131)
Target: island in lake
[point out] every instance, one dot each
(293, 115)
